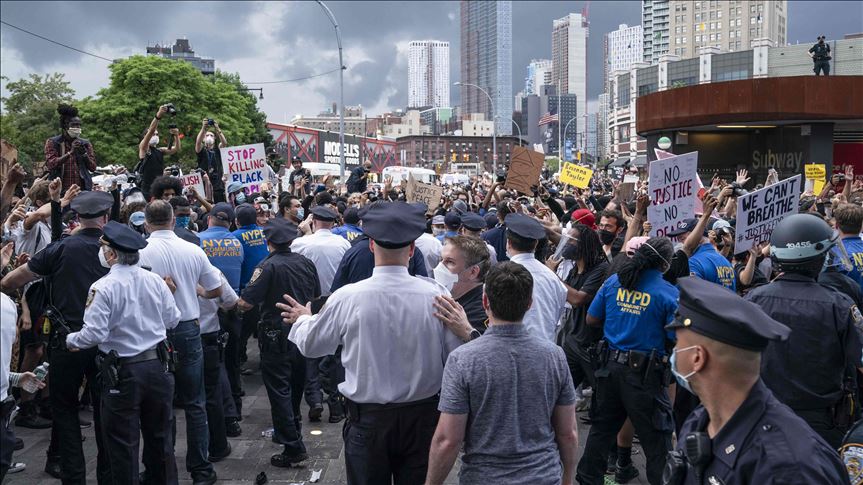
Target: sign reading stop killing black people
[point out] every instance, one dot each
(760, 211)
(672, 185)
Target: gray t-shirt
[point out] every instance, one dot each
(508, 382)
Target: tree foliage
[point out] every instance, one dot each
(116, 118)
(30, 114)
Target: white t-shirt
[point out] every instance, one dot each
(8, 320)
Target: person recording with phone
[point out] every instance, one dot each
(151, 157)
(69, 156)
(210, 157)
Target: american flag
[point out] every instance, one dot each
(548, 118)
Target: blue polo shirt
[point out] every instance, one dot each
(709, 265)
(635, 319)
(348, 231)
(254, 250)
(854, 248)
(225, 252)
(497, 238)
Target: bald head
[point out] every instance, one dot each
(714, 360)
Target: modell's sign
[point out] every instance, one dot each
(331, 149)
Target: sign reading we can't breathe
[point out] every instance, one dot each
(760, 211)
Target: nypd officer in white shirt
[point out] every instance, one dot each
(394, 351)
(128, 313)
(549, 294)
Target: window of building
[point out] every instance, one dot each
(731, 46)
(719, 14)
(712, 15)
(677, 30)
(719, 36)
(760, 7)
(718, 25)
(684, 29)
(697, 17)
(752, 8)
(684, 40)
(751, 20)
(739, 11)
(683, 8)
(697, 5)
(751, 33)
(712, 37)
(677, 8)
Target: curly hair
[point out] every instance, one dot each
(66, 112)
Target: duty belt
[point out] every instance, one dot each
(634, 359)
(151, 354)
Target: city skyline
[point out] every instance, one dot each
(428, 74)
(295, 40)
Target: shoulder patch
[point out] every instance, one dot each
(857, 317)
(255, 275)
(90, 296)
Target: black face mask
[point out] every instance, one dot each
(570, 251)
(607, 237)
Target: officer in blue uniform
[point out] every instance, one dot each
(349, 230)
(741, 434)
(813, 372)
(633, 306)
(706, 262)
(69, 266)
(128, 314)
(496, 236)
(452, 222)
(283, 368)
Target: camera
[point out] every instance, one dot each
(738, 190)
(172, 126)
(175, 170)
(171, 109)
(501, 176)
(840, 177)
(210, 121)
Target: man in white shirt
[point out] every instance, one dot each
(431, 248)
(393, 352)
(549, 294)
(187, 265)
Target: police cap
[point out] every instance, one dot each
(723, 316)
(684, 226)
(473, 222)
(280, 231)
(223, 211)
(524, 226)
(322, 213)
(246, 214)
(122, 237)
(452, 220)
(92, 204)
(394, 225)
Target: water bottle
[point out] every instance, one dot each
(268, 433)
(41, 373)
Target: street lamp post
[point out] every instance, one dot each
(493, 125)
(517, 128)
(341, 89)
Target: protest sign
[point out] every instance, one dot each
(427, 194)
(760, 211)
(817, 173)
(524, 169)
(576, 175)
(673, 186)
(246, 164)
(630, 178)
(193, 180)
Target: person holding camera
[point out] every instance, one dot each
(820, 54)
(69, 156)
(151, 157)
(209, 156)
(358, 181)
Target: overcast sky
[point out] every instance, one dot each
(270, 41)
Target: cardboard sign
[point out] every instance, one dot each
(195, 180)
(673, 186)
(428, 194)
(760, 211)
(525, 167)
(576, 175)
(246, 164)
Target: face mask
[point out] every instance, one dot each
(74, 132)
(607, 237)
(209, 140)
(444, 276)
(182, 222)
(681, 379)
(103, 260)
(301, 213)
(570, 251)
(438, 231)
(154, 140)
(240, 198)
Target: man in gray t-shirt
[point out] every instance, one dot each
(508, 396)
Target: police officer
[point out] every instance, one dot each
(633, 306)
(705, 262)
(394, 352)
(127, 316)
(283, 368)
(741, 434)
(852, 452)
(472, 224)
(69, 267)
(823, 329)
(820, 54)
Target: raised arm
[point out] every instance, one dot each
(176, 146)
(154, 124)
(199, 141)
(222, 141)
(694, 239)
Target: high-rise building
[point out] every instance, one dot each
(538, 74)
(182, 51)
(537, 122)
(486, 60)
(428, 74)
(654, 22)
(728, 25)
(569, 63)
(602, 138)
(591, 143)
(622, 49)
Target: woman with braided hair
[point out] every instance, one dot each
(633, 307)
(69, 156)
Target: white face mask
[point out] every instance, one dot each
(444, 276)
(154, 140)
(437, 231)
(209, 140)
(103, 260)
(74, 132)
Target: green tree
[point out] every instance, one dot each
(30, 114)
(115, 119)
(552, 163)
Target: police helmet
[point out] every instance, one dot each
(801, 238)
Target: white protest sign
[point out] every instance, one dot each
(195, 180)
(246, 164)
(760, 211)
(673, 188)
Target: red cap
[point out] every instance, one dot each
(584, 216)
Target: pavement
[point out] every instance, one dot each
(251, 451)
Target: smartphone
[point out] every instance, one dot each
(701, 193)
